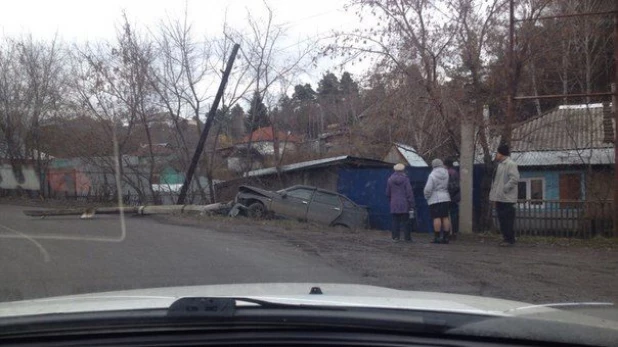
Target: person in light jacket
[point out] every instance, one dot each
(401, 200)
(504, 193)
(436, 193)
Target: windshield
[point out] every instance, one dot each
(423, 146)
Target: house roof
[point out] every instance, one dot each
(345, 159)
(267, 135)
(573, 127)
(567, 135)
(410, 155)
(594, 156)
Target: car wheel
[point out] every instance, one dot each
(257, 210)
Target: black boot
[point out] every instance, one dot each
(445, 240)
(436, 238)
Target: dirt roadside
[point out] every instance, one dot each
(535, 271)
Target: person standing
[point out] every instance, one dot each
(504, 193)
(401, 199)
(436, 193)
(454, 192)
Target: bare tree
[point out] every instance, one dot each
(179, 78)
(270, 63)
(407, 33)
(31, 74)
(112, 84)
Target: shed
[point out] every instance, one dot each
(363, 180)
(400, 153)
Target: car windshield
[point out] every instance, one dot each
(452, 147)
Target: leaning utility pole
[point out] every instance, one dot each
(211, 116)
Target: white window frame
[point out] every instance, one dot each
(528, 181)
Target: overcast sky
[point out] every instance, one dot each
(80, 20)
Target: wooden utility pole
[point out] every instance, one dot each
(211, 116)
(508, 127)
(615, 107)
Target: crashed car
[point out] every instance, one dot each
(304, 203)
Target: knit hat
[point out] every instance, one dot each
(504, 150)
(399, 167)
(437, 163)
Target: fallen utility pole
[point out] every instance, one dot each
(138, 210)
(204, 134)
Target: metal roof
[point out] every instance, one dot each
(567, 135)
(590, 156)
(410, 155)
(315, 163)
(565, 128)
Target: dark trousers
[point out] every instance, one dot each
(454, 212)
(400, 220)
(506, 218)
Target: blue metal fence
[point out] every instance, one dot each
(367, 186)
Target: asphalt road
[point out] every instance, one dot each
(66, 255)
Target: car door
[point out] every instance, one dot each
(294, 203)
(324, 208)
(353, 216)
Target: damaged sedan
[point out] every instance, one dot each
(304, 203)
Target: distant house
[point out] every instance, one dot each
(566, 165)
(18, 169)
(566, 154)
(335, 140)
(241, 158)
(263, 140)
(165, 158)
(254, 150)
(400, 153)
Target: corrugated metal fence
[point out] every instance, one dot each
(564, 218)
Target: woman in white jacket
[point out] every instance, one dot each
(436, 193)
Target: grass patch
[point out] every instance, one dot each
(595, 242)
(599, 242)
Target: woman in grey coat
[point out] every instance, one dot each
(436, 193)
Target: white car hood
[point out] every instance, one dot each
(350, 295)
(288, 293)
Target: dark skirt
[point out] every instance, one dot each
(439, 210)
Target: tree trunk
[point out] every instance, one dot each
(535, 90)
(588, 63)
(565, 72)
